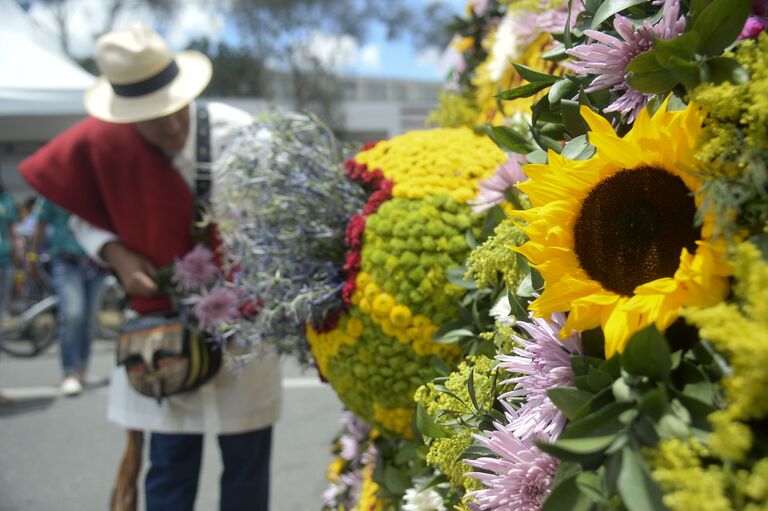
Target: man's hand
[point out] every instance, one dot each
(134, 270)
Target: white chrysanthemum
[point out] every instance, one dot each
(512, 36)
(422, 500)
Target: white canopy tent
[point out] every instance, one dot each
(37, 78)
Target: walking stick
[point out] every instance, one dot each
(125, 495)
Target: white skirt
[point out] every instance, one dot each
(235, 401)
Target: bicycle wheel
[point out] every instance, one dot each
(33, 338)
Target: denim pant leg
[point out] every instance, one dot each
(6, 287)
(93, 284)
(171, 483)
(69, 282)
(245, 480)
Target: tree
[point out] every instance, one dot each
(62, 10)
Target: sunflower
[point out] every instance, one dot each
(615, 237)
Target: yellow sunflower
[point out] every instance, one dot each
(614, 236)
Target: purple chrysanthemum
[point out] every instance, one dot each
(492, 189)
(608, 57)
(753, 27)
(195, 270)
(554, 20)
(543, 362)
(520, 478)
(214, 307)
(356, 431)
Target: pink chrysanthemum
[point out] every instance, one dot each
(492, 189)
(608, 57)
(214, 308)
(520, 478)
(195, 270)
(543, 362)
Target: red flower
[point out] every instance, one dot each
(352, 262)
(369, 145)
(355, 229)
(349, 289)
(250, 308)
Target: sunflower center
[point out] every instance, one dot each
(632, 227)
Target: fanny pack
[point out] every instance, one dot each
(164, 354)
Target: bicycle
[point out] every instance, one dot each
(32, 323)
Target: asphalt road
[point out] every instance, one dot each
(61, 454)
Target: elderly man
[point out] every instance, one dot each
(128, 172)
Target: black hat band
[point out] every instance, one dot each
(151, 84)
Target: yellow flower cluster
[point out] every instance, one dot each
(369, 494)
(395, 419)
(741, 332)
(441, 161)
(687, 483)
(398, 321)
(325, 345)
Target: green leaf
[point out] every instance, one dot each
(720, 23)
(454, 336)
(536, 156)
(636, 488)
(534, 76)
(427, 426)
(509, 139)
(395, 481)
(574, 122)
(471, 388)
(647, 354)
(566, 495)
(611, 7)
(676, 56)
(556, 54)
(569, 400)
(589, 484)
(647, 75)
(601, 423)
(683, 46)
(726, 69)
(578, 148)
(585, 445)
(598, 380)
(524, 91)
(456, 275)
(654, 402)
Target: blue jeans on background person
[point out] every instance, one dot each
(175, 458)
(78, 283)
(6, 287)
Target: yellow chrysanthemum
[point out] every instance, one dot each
(614, 237)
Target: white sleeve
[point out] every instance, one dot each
(90, 237)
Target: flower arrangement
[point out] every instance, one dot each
(627, 349)
(281, 203)
(414, 227)
(198, 287)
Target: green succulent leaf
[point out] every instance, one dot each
(719, 24)
(647, 354)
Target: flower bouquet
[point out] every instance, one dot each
(282, 203)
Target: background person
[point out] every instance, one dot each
(128, 173)
(8, 259)
(78, 282)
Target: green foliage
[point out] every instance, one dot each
(620, 406)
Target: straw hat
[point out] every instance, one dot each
(141, 79)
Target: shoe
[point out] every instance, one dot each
(71, 386)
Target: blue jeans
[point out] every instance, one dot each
(6, 287)
(171, 483)
(78, 283)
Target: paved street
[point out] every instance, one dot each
(60, 454)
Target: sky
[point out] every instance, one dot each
(200, 18)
